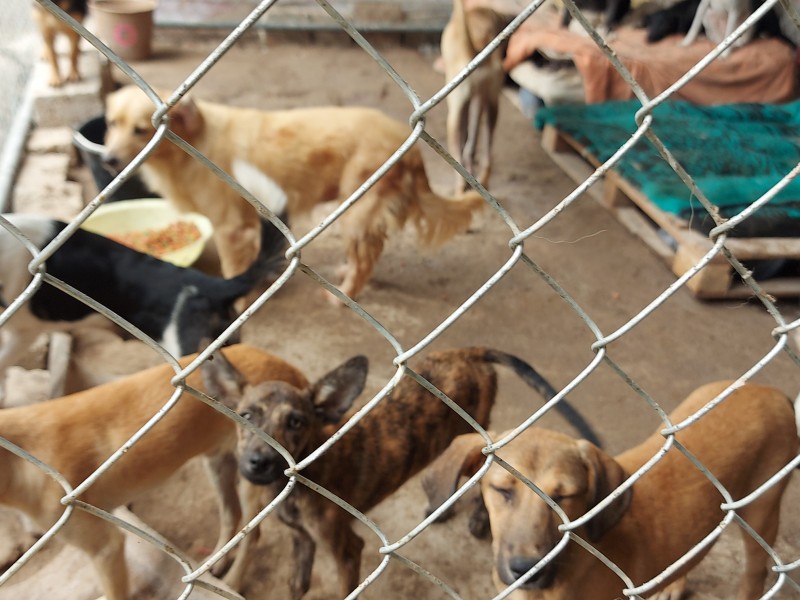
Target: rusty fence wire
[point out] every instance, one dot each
(785, 570)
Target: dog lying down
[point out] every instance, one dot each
(175, 306)
(316, 155)
(743, 442)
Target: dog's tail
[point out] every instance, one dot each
(271, 259)
(535, 380)
(438, 219)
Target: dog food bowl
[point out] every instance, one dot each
(147, 215)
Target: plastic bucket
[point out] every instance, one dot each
(88, 139)
(125, 26)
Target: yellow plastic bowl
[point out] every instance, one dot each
(142, 215)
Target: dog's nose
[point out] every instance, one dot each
(260, 468)
(519, 565)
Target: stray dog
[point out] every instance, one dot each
(315, 154)
(76, 433)
(719, 18)
(50, 26)
(396, 439)
(743, 441)
(175, 306)
(472, 107)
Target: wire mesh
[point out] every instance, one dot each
(784, 568)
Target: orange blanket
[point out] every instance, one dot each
(762, 71)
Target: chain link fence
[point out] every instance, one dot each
(784, 568)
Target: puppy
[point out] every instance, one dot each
(743, 441)
(719, 18)
(472, 107)
(314, 154)
(50, 26)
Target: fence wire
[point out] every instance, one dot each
(784, 568)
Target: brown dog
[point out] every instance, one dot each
(472, 107)
(50, 26)
(396, 439)
(743, 442)
(314, 154)
(76, 433)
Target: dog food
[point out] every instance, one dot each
(158, 242)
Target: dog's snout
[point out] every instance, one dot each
(261, 468)
(518, 566)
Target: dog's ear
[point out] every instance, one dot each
(185, 118)
(604, 475)
(463, 457)
(334, 393)
(222, 380)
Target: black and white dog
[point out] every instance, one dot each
(175, 306)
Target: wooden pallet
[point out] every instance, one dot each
(644, 219)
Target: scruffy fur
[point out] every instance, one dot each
(743, 442)
(76, 433)
(50, 27)
(399, 437)
(472, 107)
(315, 154)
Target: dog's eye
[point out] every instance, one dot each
(505, 493)
(246, 415)
(139, 131)
(295, 422)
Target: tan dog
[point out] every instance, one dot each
(398, 437)
(743, 442)
(314, 154)
(76, 433)
(50, 26)
(472, 107)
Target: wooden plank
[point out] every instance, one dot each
(643, 218)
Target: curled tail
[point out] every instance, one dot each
(532, 377)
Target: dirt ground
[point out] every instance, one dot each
(611, 274)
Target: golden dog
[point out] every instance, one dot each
(76, 433)
(50, 26)
(744, 441)
(315, 154)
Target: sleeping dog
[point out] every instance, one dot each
(175, 306)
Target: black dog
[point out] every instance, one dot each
(175, 306)
(613, 11)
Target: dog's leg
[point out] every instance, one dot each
(237, 244)
(762, 516)
(304, 549)
(346, 547)
(49, 54)
(457, 118)
(250, 496)
(486, 138)
(697, 23)
(365, 227)
(223, 474)
(105, 546)
(74, 54)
